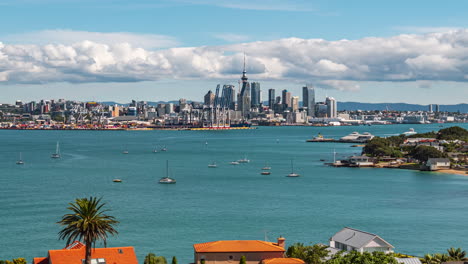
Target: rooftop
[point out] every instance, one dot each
(238, 246)
(356, 238)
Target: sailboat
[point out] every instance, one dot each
(20, 161)
(125, 150)
(266, 167)
(56, 155)
(212, 165)
(167, 180)
(164, 148)
(244, 160)
(292, 174)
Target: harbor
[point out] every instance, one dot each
(202, 201)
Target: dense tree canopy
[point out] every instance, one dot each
(378, 146)
(314, 254)
(423, 153)
(354, 257)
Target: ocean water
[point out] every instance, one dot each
(417, 212)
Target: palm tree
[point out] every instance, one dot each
(456, 254)
(88, 223)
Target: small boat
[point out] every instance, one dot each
(164, 148)
(410, 132)
(320, 138)
(212, 165)
(292, 174)
(117, 180)
(266, 167)
(265, 173)
(167, 180)
(244, 160)
(155, 151)
(56, 155)
(234, 163)
(322, 159)
(125, 152)
(20, 161)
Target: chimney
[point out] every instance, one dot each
(281, 242)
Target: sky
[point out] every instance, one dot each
(115, 50)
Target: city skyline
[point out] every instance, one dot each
(166, 50)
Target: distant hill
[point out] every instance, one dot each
(351, 106)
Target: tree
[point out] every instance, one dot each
(151, 258)
(174, 260)
(88, 222)
(354, 257)
(423, 153)
(453, 133)
(456, 254)
(314, 254)
(242, 260)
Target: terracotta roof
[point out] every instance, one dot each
(283, 261)
(238, 246)
(41, 261)
(75, 253)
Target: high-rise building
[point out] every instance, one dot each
(331, 107)
(271, 98)
(255, 94)
(286, 98)
(437, 109)
(294, 103)
(228, 97)
(308, 100)
(430, 108)
(243, 100)
(209, 98)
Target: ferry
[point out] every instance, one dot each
(410, 132)
(356, 137)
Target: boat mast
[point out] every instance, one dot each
(167, 168)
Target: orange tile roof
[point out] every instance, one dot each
(41, 261)
(283, 261)
(238, 246)
(75, 253)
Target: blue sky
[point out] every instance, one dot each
(161, 50)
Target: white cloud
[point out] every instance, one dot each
(69, 37)
(333, 64)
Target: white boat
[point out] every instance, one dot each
(125, 152)
(292, 174)
(356, 137)
(20, 161)
(167, 180)
(212, 165)
(234, 163)
(265, 173)
(164, 148)
(244, 160)
(266, 167)
(410, 132)
(56, 155)
(117, 180)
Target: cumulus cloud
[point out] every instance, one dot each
(333, 64)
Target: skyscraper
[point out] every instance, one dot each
(331, 107)
(243, 100)
(209, 98)
(271, 98)
(255, 94)
(295, 103)
(286, 98)
(308, 100)
(228, 96)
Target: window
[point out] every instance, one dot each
(231, 257)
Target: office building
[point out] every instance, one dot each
(294, 103)
(308, 100)
(286, 99)
(331, 107)
(271, 98)
(228, 97)
(255, 94)
(209, 98)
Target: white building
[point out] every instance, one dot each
(438, 164)
(349, 239)
(331, 107)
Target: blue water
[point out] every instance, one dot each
(417, 212)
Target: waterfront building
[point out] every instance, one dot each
(271, 98)
(295, 103)
(243, 100)
(231, 251)
(286, 99)
(75, 252)
(349, 239)
(308, 100)
(331, 107)
(255, 94)
(169, 108)
(321, 109)
(434, 164)
(132, 111)
(209, 98)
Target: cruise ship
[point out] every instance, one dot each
(356, 137)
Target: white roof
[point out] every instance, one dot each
(357, 238)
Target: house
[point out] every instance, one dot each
(349, 239)
(433, 164)
(231, 251)
(75, 254)
(360, 161)
(282, 261)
